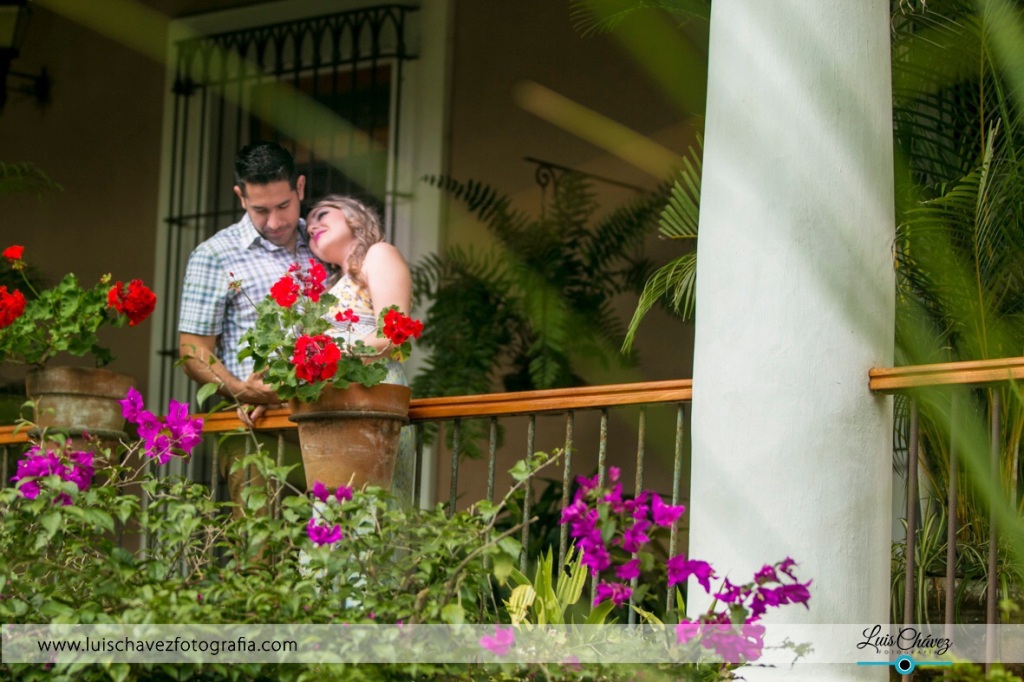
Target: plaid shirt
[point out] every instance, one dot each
(210, 308)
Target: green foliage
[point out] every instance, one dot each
(272, 341)
(64, 318)
(20, 178)
(602, 16)
(959, 245)
(675, 283)
(530, 313)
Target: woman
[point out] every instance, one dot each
(373, 276)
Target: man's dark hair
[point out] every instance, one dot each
(261, 163)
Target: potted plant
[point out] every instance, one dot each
(349, 421)
(38, 326)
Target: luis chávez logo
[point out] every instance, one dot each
(902, 643)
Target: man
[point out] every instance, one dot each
(256, 251)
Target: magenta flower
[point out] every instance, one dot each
(767, 574)
(320, 491)
(164, 438)
(686, 630)
(343, 493)
(500, 642)
(665, 514)
(628, 570)
(679, 569)
(733, 594)
(635, 537)
(595, 554)
(617, 592)
(38, 464)
(322, 534)
(786, 566)
(131, 406)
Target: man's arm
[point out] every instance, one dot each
(203, 367)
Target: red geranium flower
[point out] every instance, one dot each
(399, 327)
(12, 305)
(316, 358)
(346, 316)
(136, 301)
(313, 281)
(13, 253)
(285, 291)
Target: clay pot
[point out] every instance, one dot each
(351, 436)
(79, 399)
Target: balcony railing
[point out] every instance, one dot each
(945, 390)
(454, 412)
(917, 383)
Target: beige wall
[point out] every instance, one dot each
(499, 45)
(100, 137)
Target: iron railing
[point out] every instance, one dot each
(945, 389)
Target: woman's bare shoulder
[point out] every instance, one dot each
(383, 254)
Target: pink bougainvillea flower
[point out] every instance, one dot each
(38, 464)
(132, 406)
(628, 570)
(634, 537)
(500, 642)
(679, 569)
(320, 491)
(323, 534)
(178, 434)
(664, 514)
(343, 493)
(619, 593)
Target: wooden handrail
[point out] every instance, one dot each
(472, 406)
(966, 373)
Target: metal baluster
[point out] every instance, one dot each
(418, 430)
(492, 456)
(563, 540)
(275, 510)
(638, 486)
(531, 434)
(677, 475)
(214, 470)
(911, 542)
(456, 447)
(951, 521)
(993, 537)
(602, 466)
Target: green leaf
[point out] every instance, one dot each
(600, 612)
(453, 614)
(206, 391)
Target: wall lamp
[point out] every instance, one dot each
(14, 16)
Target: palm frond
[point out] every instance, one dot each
(25, 177)
(591, 17)
(675, 284)
(681, 217)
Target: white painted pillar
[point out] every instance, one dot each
(791, 452)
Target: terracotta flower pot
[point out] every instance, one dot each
(79, 399)
(351, 436)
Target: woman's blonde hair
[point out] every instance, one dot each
(365, 226)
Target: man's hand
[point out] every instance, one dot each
(251, 414)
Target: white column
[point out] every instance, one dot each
(791, 452)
